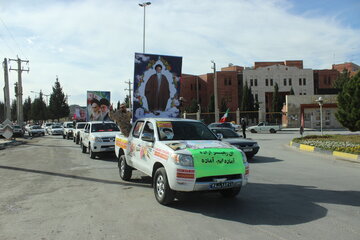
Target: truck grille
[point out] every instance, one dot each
(108, 139)
(211, 179)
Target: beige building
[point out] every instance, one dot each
(298, 109)
(262, 81)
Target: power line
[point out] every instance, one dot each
(12, 36)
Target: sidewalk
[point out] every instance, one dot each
(341, 155)
(5, 143)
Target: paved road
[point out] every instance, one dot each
(50, 190)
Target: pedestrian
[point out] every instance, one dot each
(122, 117)
(301, 130)
(243, 127)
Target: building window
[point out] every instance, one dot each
(255, 82)
(304, 81)
(284, 81)
(300, 81)
(290, 82)
(271, 82)
(229, 80)
(256, 97)
(225, 81)
(300, 93)
(267, 82)
(251, 82)
(191, 87)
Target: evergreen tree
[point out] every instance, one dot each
(2, 112)
(276, 101)
(348, 112)
(58, 108)
(292, 91)
(211, 106)
(342, 79)
(38, 108)
(251, 102)
(245, 98)
(223, 105)
(127, 101)
(27, 109)
(193, 108)
(13, 110)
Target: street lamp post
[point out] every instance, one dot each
(320, 101)
(215, 93)
(144, 4)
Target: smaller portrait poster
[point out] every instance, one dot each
(98, 106)
(156, 86)
(80, 114)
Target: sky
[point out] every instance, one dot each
(90, 44)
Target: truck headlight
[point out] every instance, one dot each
(98, 139)
(183, 160)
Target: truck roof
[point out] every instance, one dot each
(168, 119)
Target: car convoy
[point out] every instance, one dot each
(180, 155)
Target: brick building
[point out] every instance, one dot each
(324, 81)
(351, 67)
(201, 88)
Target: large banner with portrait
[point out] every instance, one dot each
(98, 106)
(156, 86)
(79, 114)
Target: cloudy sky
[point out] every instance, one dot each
(90, 44)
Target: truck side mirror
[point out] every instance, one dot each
(219, 136)
(86, 130)
(148, 137)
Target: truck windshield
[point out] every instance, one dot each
(80, 125)
(104, 127)
(227, 133)
(178, 130)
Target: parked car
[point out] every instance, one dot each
(98, 137)
(46, 126)
(36, 130)
(68, 130)
(79, 127)
(55, 129)
(18, 131)
(249, 147)
(224, 125)
(264, 127)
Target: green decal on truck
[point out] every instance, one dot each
(217, 161)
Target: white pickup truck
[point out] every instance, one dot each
(68, 130)
(98, 137)
(264, 127)
(181, 155)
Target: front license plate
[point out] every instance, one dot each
(221, 185)
(247, 149)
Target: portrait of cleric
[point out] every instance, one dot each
(98, 106)
(156, 86)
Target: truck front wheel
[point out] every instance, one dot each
(231, 192)
(125, 170)
(163, 193)
(92, 154)
(253, 131)
(83, 148)
(272, 130)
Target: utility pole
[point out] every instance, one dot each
(20, 114)
(130, 90)
(6, 91)
(217, 117)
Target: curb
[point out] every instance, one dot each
(342, 155)
(11, 143)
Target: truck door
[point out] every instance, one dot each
(146, 147)
(86, 135)
(135, 145)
